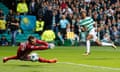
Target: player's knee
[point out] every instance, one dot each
(89, 37)
(99, 43)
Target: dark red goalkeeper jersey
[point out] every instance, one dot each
(26, 48)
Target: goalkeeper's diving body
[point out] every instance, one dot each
(86, 24)
(25, 48)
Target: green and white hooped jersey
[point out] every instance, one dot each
(87, 23)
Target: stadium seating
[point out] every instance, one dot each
(4, 8)
(23, 36)
(20, 37)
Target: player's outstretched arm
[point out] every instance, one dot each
(43, 47)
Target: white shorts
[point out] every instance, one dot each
(94, 34)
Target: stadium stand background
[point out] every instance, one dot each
(105, 12)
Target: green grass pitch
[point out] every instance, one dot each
(70, 59)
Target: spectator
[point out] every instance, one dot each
(2, 22)
(39, 26)
(3, 41)
(106, 38)
(2, 26)
(40, 11)
(48, 36)
(13, 26)
(11, 4)
(9, 17)
(63, 4)
(55, 20)
(67, 10)
(118, 24)
(115, 34)
(32, 7)
(22, 7)
(48, 18)
(1, 15)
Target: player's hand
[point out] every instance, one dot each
(83, 29)
(51, 45)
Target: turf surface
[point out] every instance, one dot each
(70, 59)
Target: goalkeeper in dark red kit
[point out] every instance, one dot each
(27, 47)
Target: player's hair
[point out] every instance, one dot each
(83, 11)
(30, 38)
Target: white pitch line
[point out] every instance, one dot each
(90, 66)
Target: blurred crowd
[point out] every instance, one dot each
(63, 16)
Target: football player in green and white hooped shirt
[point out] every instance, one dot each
(87, 24)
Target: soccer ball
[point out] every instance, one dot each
(34, 57)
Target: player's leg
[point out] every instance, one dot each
(19, 54)
(95, 38)
(22, 57)
(89, 36)
(61, 37)
(34, 57)
(105, 44)
(5, 59)
(46, 60)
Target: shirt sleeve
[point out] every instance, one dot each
(41, 42)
